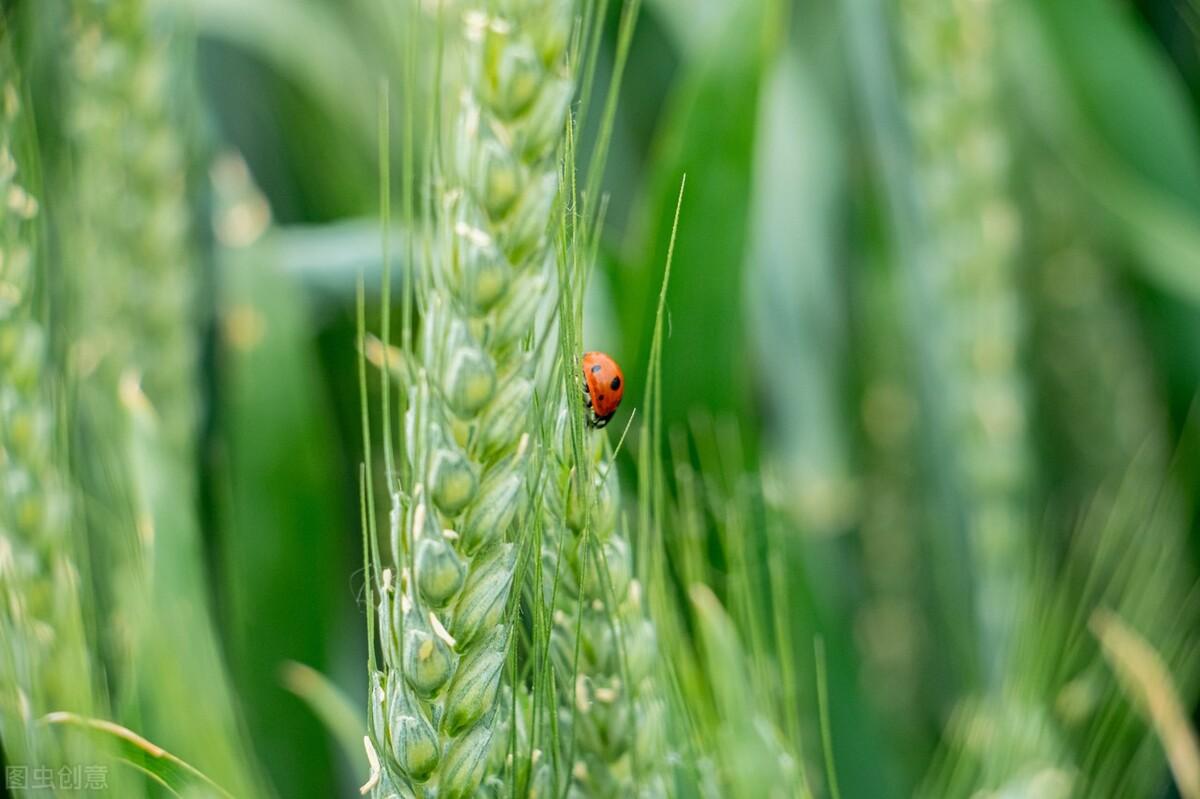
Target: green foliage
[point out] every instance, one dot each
(278, 484)
(176, 776)
(707, 130)
(898, 501)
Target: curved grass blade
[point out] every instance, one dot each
(1148, 682)
(340, 716)
(177, 776)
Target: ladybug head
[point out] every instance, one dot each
(597, 422)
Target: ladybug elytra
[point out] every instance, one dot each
(603, 387)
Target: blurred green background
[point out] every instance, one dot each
(793, 318)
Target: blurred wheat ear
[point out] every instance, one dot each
(45, 662)
(132, 365)
(969, 315)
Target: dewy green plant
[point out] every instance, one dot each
(44, 664)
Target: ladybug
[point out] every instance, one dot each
(603, 387)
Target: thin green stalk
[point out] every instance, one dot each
(385, 220)
(823, 711)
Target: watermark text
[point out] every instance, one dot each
(63, 778)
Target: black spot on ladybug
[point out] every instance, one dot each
(599, 398)
(595, 368)
(615, 384)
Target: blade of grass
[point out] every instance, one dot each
(177, 776)
(1149, 683)
(341, 717)
(823, 710)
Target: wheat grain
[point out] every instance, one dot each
(489, 290)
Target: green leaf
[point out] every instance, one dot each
(306, 42)
(1126, 88)
(796, 293)
(328, 258)
(1096, 121)
(707, 132)
(341, 717)
(281, 557)
(185, 694)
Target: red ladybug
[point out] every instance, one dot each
(603, 387)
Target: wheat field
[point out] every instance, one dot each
(434, 399)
